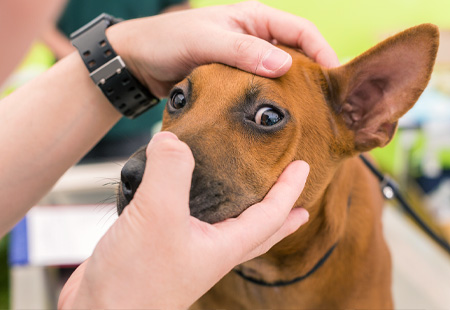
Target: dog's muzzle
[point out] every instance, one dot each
(213, 196)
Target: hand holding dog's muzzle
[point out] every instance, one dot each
(156, 248)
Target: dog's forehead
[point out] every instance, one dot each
(217, 78)
(221, 82)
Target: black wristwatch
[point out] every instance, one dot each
(108, 70)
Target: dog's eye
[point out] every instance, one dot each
(267, 117)
(178, 100)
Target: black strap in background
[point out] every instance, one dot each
(390, 190)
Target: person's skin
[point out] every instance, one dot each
(168, 259)
(57, 42)
(21, 21)
(50, 123)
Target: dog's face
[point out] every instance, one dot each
(243, 129)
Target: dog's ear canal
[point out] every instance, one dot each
(371, 92)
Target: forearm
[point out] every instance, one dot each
(46, 127)
(58, 43)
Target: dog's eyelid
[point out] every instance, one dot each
(264, 103)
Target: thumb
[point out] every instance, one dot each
(164, 190)
(251, 54)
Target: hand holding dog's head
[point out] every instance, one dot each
(243, 129)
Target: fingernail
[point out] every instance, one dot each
(306, 166)
(333, 63)
(305, 214)
(163, 135)
(302, 165)
(275, 59)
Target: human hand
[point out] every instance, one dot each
(158, 256)
(162, 50)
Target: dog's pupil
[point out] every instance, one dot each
(270, 117)
(178, 101)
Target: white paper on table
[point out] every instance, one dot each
(66, 235)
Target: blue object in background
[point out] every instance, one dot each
(18, 244)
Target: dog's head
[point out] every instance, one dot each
(243, 129)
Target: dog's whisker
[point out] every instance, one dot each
(107, 200)
(111, 183)
(106, 217)
(120, 164)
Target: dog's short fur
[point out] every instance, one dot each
(326, 118)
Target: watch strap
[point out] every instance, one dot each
(108, 70)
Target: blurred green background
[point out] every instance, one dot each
(353, 26)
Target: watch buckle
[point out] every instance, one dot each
(114, 66)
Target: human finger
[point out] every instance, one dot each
(164, 190)
(287, 29)
(248, 53)
(69, 293)
(296, 218)
(265, 220)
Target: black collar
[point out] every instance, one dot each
(297, 279)
(289, 282)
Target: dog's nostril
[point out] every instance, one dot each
(127, 186)
(127, 190)
(131, 177)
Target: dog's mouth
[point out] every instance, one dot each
(210, 206)
(207, 198)
(215, 201)
(211, 199)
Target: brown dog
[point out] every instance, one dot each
(244, 130)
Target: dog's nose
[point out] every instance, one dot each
(131, 177)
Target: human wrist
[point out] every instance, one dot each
(121, 41)
(146, 53)
(78, 69)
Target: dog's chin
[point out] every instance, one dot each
(219, 213)
(216, 204)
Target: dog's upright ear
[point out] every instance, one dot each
(374, 90)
